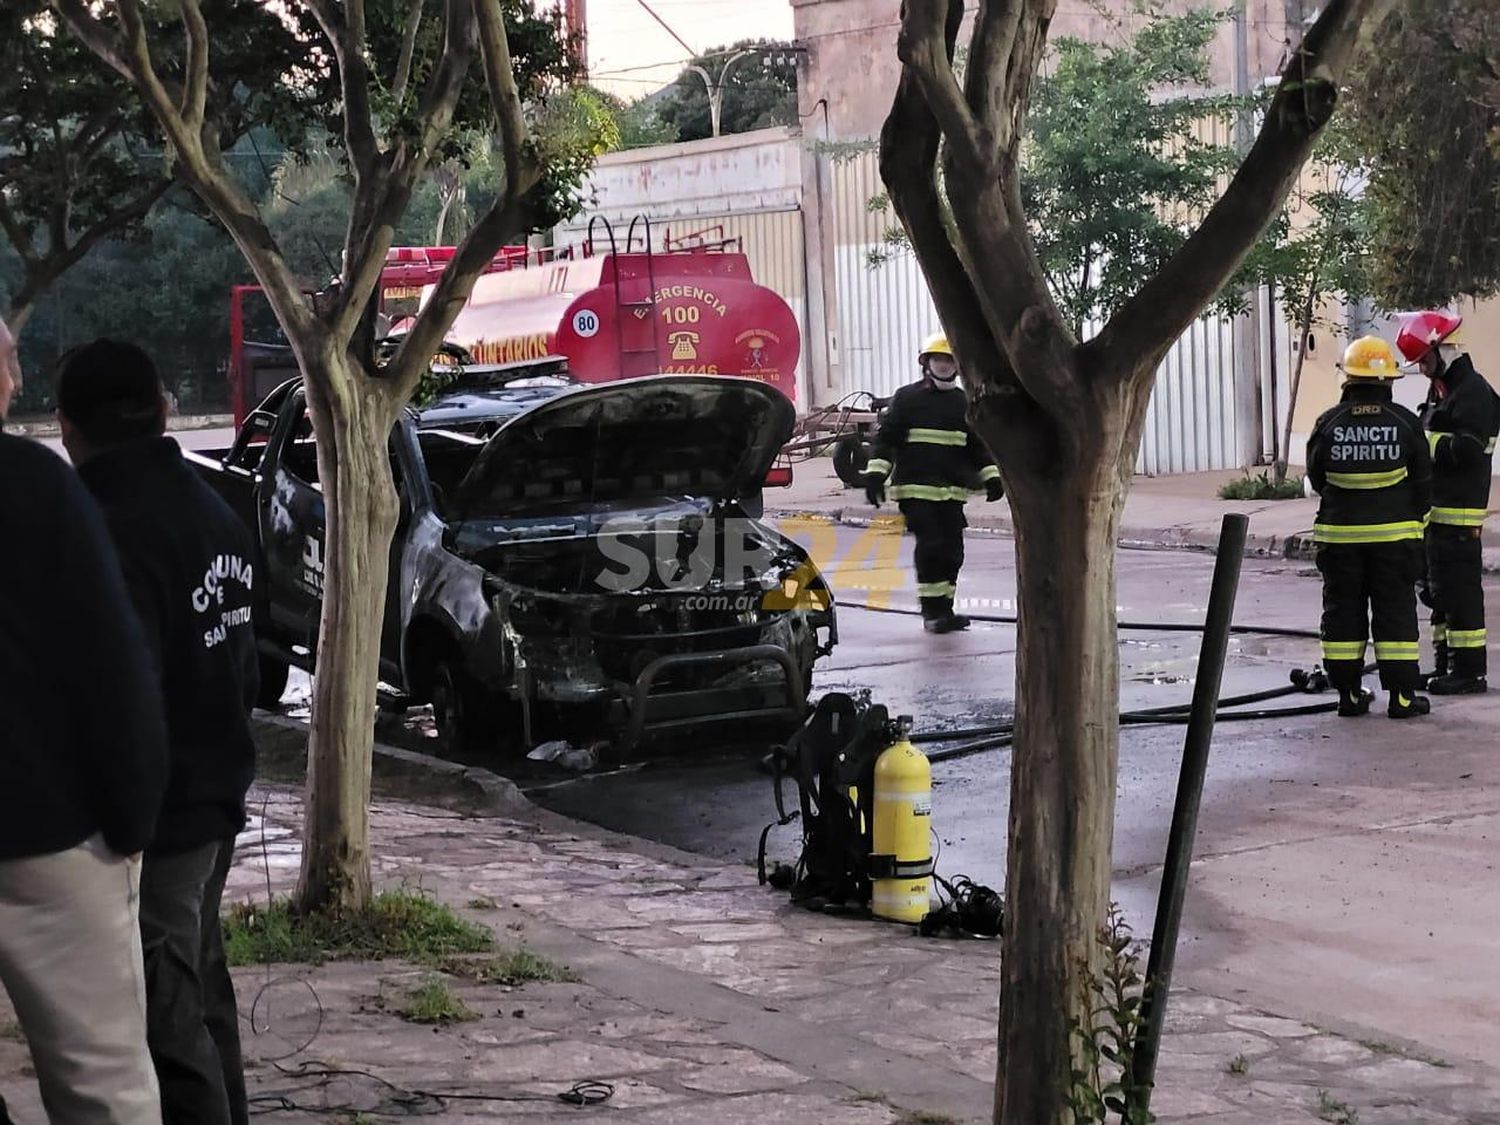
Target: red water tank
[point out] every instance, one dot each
(621, 315)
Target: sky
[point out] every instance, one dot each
(624, 38)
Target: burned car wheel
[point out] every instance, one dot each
(464, 715)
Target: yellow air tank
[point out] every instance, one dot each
(902, 860)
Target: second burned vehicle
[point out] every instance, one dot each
(569, 560)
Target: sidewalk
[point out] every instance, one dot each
(1181, 511)
(703, 997)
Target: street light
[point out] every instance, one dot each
(716, 88)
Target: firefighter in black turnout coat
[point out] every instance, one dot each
(1462, 416)
(1369, 462)
(924, 445)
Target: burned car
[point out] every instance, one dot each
(570, 561)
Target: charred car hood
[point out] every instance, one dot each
(708, 436)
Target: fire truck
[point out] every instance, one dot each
(691, 306)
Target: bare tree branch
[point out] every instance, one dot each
(349, 52)
(501, 222)
(995, 30)
(504, 219)
(195, 93)
(1165, 306)
(20, 237)
(61, 257)
(370, 231)
(521, 170)
(925, 48)
(130, 53)
(408, 49)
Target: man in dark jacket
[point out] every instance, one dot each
(925, 445)
(83, 763)
(1368, 461)
(188, 562)
(1462, 416)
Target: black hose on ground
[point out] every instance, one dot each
(999, 737)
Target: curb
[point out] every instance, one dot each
(1157, 539)
(500, 793)
(175, 424)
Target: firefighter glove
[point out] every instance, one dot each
(993, 490)
(875, 489)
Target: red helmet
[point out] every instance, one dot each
(1424, 331)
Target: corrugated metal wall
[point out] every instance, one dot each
(884, 312)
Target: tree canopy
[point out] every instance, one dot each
(1427, 113)
(81, 158)
(759, 91)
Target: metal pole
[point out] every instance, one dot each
(1175, 871)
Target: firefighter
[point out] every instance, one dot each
(1368, 461)
(937, 459)
(1462, 417)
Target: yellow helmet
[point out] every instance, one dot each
(1370, 357)
(936, 344)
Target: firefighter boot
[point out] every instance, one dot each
(1454, 684)
(950, 623)
(1439, 666)
(1353, 703)
(1405, 706)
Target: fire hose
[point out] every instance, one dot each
(975, 740)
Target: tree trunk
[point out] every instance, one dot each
(1304, 326)
(353, 423)
(1062, 775)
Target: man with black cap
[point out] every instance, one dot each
(83, 763)
(188, 562)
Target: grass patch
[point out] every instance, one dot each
(434, 1002)
(514, 968)
(483, 902)
(869, 1097)
(925, 1117)
(1238, 1065)
(1332, 1110)
(11, 1030)
(1261, 487)
(398, 924)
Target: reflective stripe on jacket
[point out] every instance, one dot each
(926, 447)
(1369, 463)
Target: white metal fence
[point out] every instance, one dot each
(884, 312)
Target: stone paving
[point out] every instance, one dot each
(704, 998)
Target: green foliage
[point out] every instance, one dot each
(400, 924)
(78, 151)
(1105, 1041)
(1115, 169)
(166, 288)
(639, 124)
(434, 1002)
(1428, 115)
(759, 92)
(540, 54)
(1261, 486)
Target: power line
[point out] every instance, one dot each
(650, 11)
